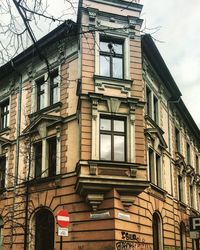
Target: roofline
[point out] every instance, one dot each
(155, 58)
(59, 32)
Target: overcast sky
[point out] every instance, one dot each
(180, 48)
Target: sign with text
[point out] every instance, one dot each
(62, 218)
(195, 223)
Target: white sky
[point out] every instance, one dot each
(180, 48)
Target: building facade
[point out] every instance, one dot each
(96, 126)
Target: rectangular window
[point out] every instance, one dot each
(2, 171)
(197, 164)
(180, 187)
(151, 166)
(4, 112)
(188, 153)
(148, 100)
(155, 109)
(111, 58)
(158, 171)
(155, 168)
(38, 159)
(112, 139)
(54, 87)
(52, 156)
(40, 93)
(177, 140)
(191, 196)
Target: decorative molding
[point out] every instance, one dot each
(113, 105)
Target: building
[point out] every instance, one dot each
(94, 124)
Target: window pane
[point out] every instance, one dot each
(104, 65)
(41, 101)
(118, 126)
(105, 147)
(104, 46)
(38, 159)
(105, 124)
(119, 148)
(54, 80)
(117, 48)
(117, 67)
(55, 95)
(2, 171)
(52, 156)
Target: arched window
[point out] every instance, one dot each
(157, 232)
(44, 230)
(1, 233)
(182, 236)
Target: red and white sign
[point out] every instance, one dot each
(63, 219)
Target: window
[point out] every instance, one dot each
(47, 90)
(182, 236)
(112, 139)
(177, 140)
(152, 105)
(54, 83)
(188, 153)
(180, 187)
(2, 171)
(148, 99)
(155, 168)
(4, 112)
(111, 58)
(155, 109)
(52, 156)
(38, 159)
(191, 195)
(40, 93)
(44, 230)
(195, 245)
(197, 163)
(157, 232)
(48, 166)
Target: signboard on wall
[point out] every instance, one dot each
(195, 227)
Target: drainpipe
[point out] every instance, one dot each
(17, 156)
(171, 172)
(27, 197)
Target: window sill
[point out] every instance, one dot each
(182, 205)
(157, 192)
(4, 130)
(153, 123)
(50, 108)
(102, 81)
(44, 180)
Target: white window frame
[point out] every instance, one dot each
(126, 53)
(34, 96)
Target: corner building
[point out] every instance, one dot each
(97, 128)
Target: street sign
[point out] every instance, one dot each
(62, 231)
(63, 219)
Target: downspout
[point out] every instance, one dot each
(27, 197)
(17, 156)
(171, 172)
